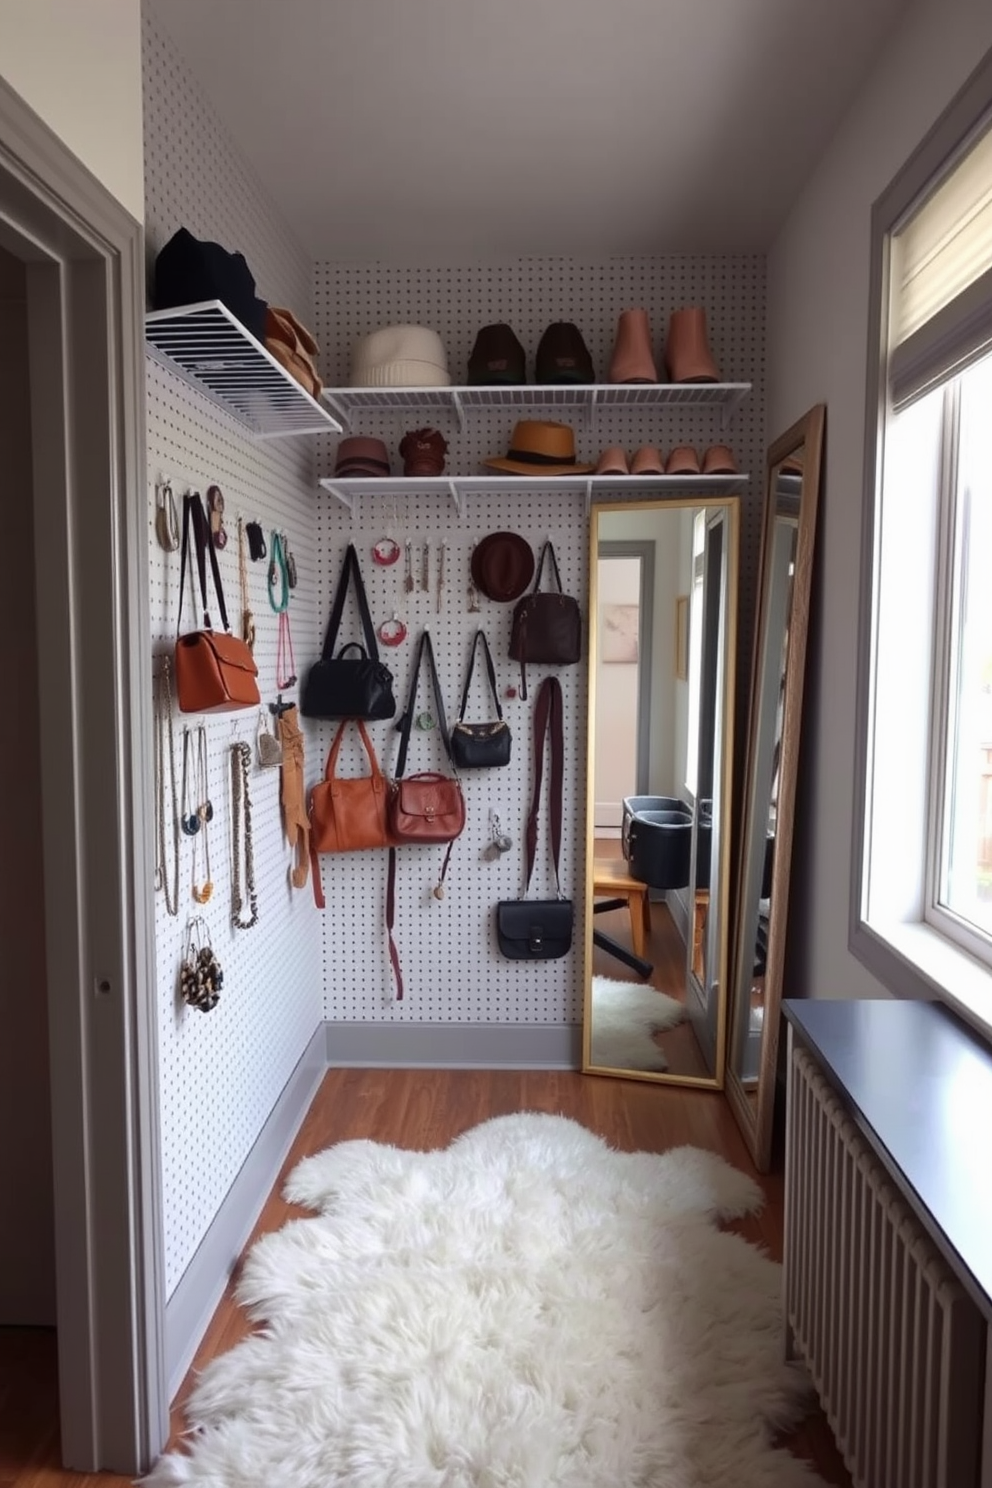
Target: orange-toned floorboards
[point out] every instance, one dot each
(411, 1108)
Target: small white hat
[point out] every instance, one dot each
(400, 356)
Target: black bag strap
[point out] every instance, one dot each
(547, 719)
(405, 724)
(350, 571)
(548, 548)
(480, 634)
(195, 516)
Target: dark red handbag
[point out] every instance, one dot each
(546, 628)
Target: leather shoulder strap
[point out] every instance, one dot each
(547, 550)
(350, 571)
(405, 724)
(547, 720)
(195, 518)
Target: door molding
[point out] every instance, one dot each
(642, 548)
(85, 279)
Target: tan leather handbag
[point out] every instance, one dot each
(347, 814)
(215, 671)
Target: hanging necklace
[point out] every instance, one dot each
(247, 618)
(164, 739)
(204, 812)
(190, 820)
(241, 806)
(279, 575)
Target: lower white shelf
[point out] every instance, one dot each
(600, 487)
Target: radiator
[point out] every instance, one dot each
(894, 1346)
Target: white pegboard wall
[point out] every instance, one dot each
(222, 1072)
(454, 970)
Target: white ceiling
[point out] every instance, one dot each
(425, 129)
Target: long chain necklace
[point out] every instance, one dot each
(190, 819)
(164, 740)
(204, 814)
(241, 804)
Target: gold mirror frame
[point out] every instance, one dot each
(755, 1109)
(730, 506)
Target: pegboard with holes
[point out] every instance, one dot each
(221, 1072)
(453, 968)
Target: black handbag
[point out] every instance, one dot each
(546, 628)
(541, 929)
(479, 746)
(346, 686)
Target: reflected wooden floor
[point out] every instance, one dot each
(417, 1109)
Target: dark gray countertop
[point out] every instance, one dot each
(919, 1084)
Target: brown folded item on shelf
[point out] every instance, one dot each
(613, 461)
(293, 348)
(647, 461)
(423, 452)
(719, 460)
(683, 461)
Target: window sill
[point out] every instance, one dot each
(913, 960)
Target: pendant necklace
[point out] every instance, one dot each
(241, 808)
(164, 740)
(204, 813)
(189, 820)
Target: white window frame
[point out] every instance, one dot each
(921, 950)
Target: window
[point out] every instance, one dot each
(922, 913)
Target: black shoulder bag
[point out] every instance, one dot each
(346, 686)
(541, 929)
(479, 746)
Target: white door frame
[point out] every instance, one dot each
(85, 282)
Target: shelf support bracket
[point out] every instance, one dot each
(588, 497)
(456, 399)
(341, 413)
(456, 495)
(729, 411)
(593, 410)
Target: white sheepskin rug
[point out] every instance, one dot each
(525, 1309)
(624, 1016)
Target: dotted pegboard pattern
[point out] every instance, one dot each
(221, 1072)
(454, 970)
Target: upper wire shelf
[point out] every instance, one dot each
(586, 398)
(205, 346)
(600, 487)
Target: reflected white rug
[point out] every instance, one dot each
(526, 1309)
(624, 1016)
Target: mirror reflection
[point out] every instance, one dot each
(762, 899)
(662, 634)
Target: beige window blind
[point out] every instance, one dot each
(940, 316)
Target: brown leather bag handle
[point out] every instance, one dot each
(331, 765)
(547, 718)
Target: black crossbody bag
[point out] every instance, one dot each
(346, 686)
(541, 929)
(480, 746)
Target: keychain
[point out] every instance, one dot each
(215, 506)
(200, 974)
(267, 746)
(499, 843)
(166, 518)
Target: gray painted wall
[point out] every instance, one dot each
(27, 1236)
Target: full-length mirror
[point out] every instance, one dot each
(662, 638)
(788, 533)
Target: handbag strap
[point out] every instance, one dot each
(194, 516)
(350, 571)
(547, 719)
(480, 634)
(331, 765)
(406, 722)
(547, 549)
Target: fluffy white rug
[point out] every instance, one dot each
(624, 1016)
(524, 1309)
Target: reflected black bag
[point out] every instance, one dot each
(534, 929)
(346, 686)
(541, 929)
(480, 746)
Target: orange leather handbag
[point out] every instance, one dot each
(215, 671)
(347, 814)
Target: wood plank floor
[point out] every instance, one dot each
(419, 1109)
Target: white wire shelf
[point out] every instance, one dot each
(598, 487)
(205, 346)
(586, 398)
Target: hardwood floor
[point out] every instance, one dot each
(420, 1109)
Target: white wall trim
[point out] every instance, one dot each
(199, 1290)
(454, 1045)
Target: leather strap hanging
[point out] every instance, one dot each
(547, 719)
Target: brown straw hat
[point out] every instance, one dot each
(502, 566)
(539, 448)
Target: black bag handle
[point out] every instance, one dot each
(203, 541)
(480, 634)
(548, 548)
(406, 722)
(349, 571)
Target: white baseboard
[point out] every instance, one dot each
(454, 1045)
(201, 1286)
